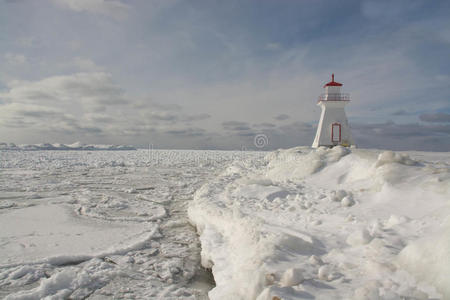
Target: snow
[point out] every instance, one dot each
(428, 258)
(326, 223)
(102, 224)
(359, 237)
(63, 238)
(299, 223)
(292, 277)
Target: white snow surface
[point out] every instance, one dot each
(293, 224)
(103, 224)
(328, 224)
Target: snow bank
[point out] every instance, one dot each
(325, 223)
(428, 258)
(298, 163)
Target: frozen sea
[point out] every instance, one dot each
(299, 223)
(103, 224)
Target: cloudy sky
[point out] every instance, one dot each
(210, 74)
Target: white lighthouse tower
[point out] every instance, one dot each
(333, 126)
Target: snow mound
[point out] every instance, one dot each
(428, 258)
(388, 157)
(292, 277)
(298, 163)
(327, 224)
(359, 237)
(255, 248)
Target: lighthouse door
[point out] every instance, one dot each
(336, 133)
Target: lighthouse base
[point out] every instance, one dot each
(333, 126)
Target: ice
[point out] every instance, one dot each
(323, 272)
(327, 224)
(339, 195)
(102, 224)
(300, 223)
(359, 237)
(347, 201)
(51, 233)
(292, 277)
(388, 157)
(429, 258)
(70, 282)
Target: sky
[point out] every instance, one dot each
(198, 74)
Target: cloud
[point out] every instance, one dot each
(89, 91)
(435, 118)
(99, 118)
(83, 64)
(273, 46)
(26, 42)
(282, 117)
(413, 136)
(400, 112)
(15, 59)
(90, 106)
(187, 132)
(236, 126)
(183, 64)
(241, 135)
(264, 125)
(381, 9)
(114, 8)
(195, 117)
(14, 1)
(162, 116)
(163, 113)
(157, 106)
(43, 119)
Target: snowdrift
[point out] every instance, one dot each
(328, 223)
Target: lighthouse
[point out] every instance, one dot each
(333, 126)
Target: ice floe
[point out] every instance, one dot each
(102, 224)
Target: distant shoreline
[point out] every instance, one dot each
(63, 147)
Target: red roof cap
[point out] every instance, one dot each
(332, 82)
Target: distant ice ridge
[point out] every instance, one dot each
(328, 224)
(58, 146)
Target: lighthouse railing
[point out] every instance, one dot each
(334, 97)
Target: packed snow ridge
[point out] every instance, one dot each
(58, 146)
(328, 224)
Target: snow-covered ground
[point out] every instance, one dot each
(293, 224)
(328, 224)
(103, 224)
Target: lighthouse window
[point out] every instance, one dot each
(336, 132)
